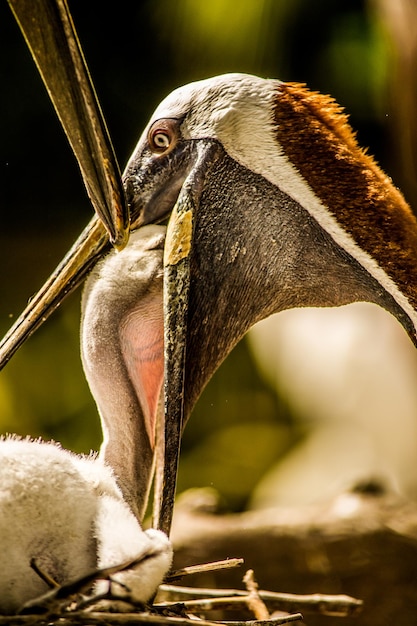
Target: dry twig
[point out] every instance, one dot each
(253, 599)
(331, 605)
(131, 619)
(57, 598)
(52, 584)
(200, 569)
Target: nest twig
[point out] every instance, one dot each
(71, 604)
(330, 605)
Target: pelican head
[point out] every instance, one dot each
(287, 210)
(272, 205)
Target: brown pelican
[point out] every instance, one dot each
(274, 206)
(283, 210)
(67, 511)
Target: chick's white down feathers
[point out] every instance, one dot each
(67, 512)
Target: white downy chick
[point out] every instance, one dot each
(67, 512)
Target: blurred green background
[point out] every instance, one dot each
(138, 51)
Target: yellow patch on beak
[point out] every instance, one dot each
(178, 238)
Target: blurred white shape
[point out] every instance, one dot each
(350, 373)
(67, 512)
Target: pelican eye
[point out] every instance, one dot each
(163, 135)
(161, 140)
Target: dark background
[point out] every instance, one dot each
(138, 51)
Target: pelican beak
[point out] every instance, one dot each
(177, 276)
(51, 37)
(50, 34)
(176, 289)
